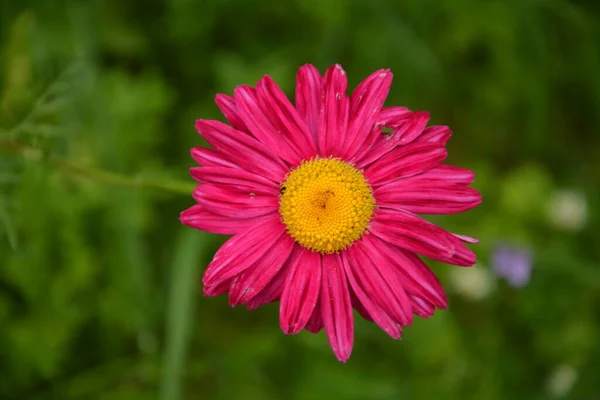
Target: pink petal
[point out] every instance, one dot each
(466, 239)
(237, 178)
(412, 129)
(272, 292)
(333, 119)
(379, 281)
(356, 303)
(253, 280)
(427, 199)
(253, 115)
(216, 290)
(435, 134)
(421, 307)
(227, 106)
(308, 97)
(301, 291)
(379, 147)
(365, 106)
(405, 161)
(285, 118)
(393, 117)
(402, 135)
(366, 305)
(418, 280)
(199, 218)
(444, 174)
(234, 202)
(243, 250)
(373, 138)
(243, 149)
(315, 323)
(336, 307)
(412, 233)
(210, 158)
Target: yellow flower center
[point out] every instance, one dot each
(326, 204)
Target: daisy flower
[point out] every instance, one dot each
(322, 201)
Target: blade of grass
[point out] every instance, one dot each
(184, 274)
(8, 227)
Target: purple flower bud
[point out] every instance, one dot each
(512, 263)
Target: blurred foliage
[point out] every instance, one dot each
(99, 283)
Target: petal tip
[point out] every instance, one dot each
(343, 355)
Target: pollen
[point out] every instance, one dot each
(326, 204)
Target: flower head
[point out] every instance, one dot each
(321, 199)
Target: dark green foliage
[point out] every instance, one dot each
(100, 294)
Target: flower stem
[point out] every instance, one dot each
(99, 175)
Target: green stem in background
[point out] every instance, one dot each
(112, 178)
(99, 175)
(191, 250)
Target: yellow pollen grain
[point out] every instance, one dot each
(326, 204)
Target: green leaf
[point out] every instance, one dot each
(184, 275)
(6, 223)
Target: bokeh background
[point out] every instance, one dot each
(100, 293)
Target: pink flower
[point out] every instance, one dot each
(321, 199)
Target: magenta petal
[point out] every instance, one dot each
(412, 233)
(402, 135)
(393, 117)
(443, 175)
(382, 145)
(333, 120)
(365, 105)
(422, 308)
(233, 202)
(427, 199)
(408, 132)
(308, 97)
(435, 134)
(227, 106)
(405, 161)
(336, 307)
(315, 323)
(379, 143)
(243, 250)
(216, 290)
(240, 179)
(272, 292)
(356, 304)
(210, 158)
(253, 115)
(244, 150)
(466, 239)
(199, 218)
(366, 305)
(439, 177)
(285, 118)
(418, 280)
(380, 282)
(253, 280)
(301, 291)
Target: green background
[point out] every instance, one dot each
(100, 294)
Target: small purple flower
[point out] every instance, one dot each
(512, 263)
